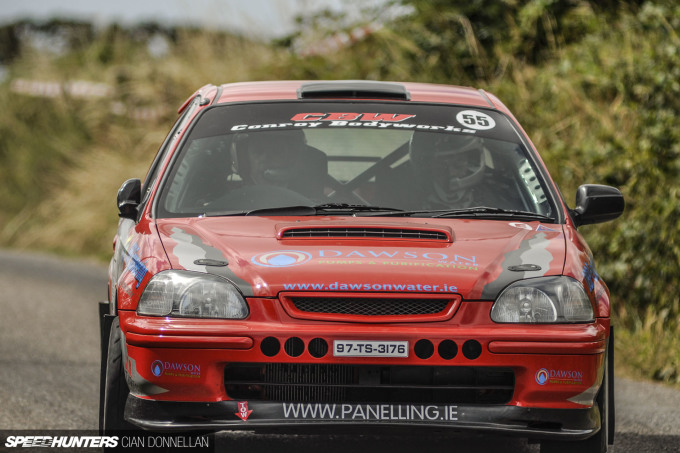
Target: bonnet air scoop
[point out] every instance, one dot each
(353, 89)
(385, 232)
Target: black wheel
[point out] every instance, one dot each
(599, 443)
(116, 390)
(611, 408)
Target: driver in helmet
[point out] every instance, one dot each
(449, 169)
(283, 160)
(268, 157)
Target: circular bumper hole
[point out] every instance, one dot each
(472, 349)
(318, 347)
(270, 346)
(294, 347)
(447, 349)
(424, 349)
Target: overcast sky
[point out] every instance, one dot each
(267, 17)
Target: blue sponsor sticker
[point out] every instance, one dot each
(157, 368)
(281, 258)
(590, 275)
(134, 264)
(542, 376)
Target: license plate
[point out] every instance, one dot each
(360, 348)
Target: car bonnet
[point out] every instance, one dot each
(473, 258)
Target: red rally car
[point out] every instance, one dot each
(353, 254)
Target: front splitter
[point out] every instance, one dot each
(263, 416)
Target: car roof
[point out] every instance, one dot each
(349, 89)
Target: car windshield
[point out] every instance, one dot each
(357, 158)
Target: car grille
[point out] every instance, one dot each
(370, 306)
(385, 233)
(335, 383)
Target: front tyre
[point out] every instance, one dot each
(116, 390)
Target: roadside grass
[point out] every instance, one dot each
(62, 159)
(648, 347)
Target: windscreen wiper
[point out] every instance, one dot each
(487, 212)
(282, 211)
(351, 208)
(326, 208)
(475, 212)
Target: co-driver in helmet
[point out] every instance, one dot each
(449, 169)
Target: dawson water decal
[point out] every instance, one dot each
(554, 376)
(342, 286)
(399, 255)
(175, 369)
(286, 258)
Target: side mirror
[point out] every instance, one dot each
(596, 204)
(129, 198)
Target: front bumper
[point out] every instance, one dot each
(572, 424)
(204, 374)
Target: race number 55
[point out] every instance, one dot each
(474, 119)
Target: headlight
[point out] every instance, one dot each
(189, 294)
(543, 300)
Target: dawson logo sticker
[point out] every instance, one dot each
(282, 258)
(157, 368)
(175, 369)
(542, 376)
(551, 376)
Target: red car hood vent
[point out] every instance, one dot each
(367, 232)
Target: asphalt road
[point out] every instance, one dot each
(49, 374)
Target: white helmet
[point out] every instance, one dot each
(448, 164)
